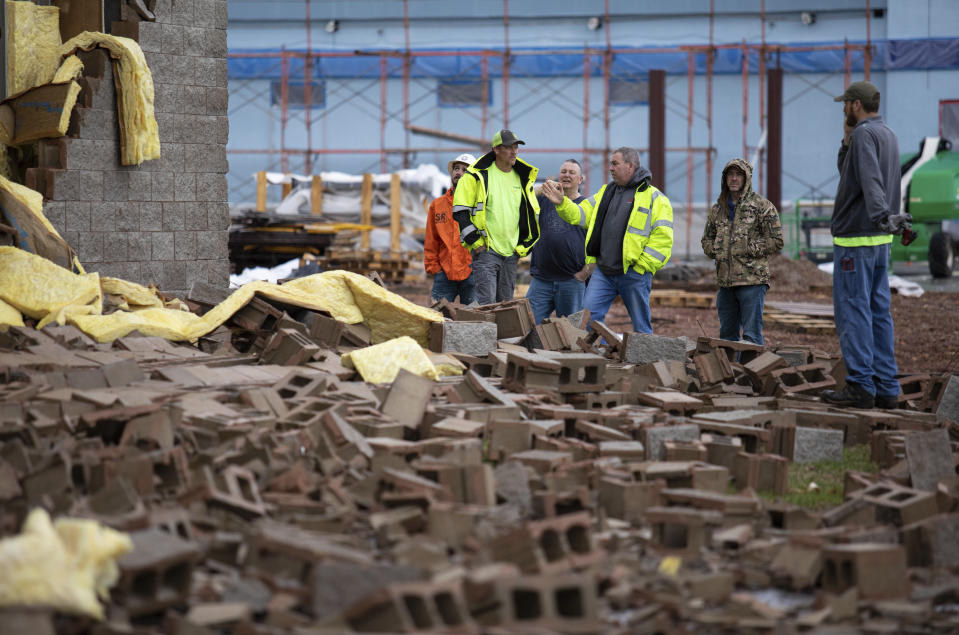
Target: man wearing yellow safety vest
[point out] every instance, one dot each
(497, 213)
(629, 235)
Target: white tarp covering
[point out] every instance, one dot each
(341, 195)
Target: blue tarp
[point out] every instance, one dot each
(890, 55)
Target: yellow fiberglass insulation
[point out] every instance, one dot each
(41, 290)
(72, 68)
(381, 363)
(32, 46)
(140, 136)
(64, 565)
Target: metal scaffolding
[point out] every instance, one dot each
(695, 156)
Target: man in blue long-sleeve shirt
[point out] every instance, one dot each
(868, 194)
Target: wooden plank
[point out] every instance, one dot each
(261, 191)
(396, 203)
(77, 16)
(316, 195)
(366, 209)
(287, 186)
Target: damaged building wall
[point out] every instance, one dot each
(164, 222)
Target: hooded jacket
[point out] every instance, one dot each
(741, 247)
(441, 248)
(644, 231)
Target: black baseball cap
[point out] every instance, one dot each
(506, 138)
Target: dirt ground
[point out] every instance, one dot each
(927, 327)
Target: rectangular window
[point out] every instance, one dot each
(296, 94)
(628, 92)
(463, 93)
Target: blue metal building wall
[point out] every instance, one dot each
(546, 112)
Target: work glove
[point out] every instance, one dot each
(896, 223)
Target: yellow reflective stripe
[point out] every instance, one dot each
(863, 241)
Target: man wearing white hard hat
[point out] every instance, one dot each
(444, 257)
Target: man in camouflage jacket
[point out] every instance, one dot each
(742, 231)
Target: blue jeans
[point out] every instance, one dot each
(741, 312)
(566, 296)
(632, 287)
(443, 287)
(494, 275)
(860, 297)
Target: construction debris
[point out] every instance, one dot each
(288, 474)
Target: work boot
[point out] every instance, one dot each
(887, 402)
(852, 396)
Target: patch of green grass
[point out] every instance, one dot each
(828, 475)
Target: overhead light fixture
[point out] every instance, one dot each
(807, 17)
(594, 23)
(332, 26)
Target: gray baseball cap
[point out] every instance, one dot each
(863, 91)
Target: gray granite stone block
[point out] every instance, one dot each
(162, 245)
(103, 216)
(91, 185)
(217, 101)
(185, 187)
(471, 338)
(66, 185)
(90, 248)
(222, 130)
(77, 215)
(150, 37)
(164, 186)
(165, 98)
(643, 348)
(218, 215)
(54, 211)
(116, 246)
(140, 186)
(174, 277)
(140, 245)
(949, 404)
(192, 100)
(128, 217)
(211, 186)
(173, 39)
(206, 69)
(211, 245)
(184, 245)
(151, 217)
(116, 186)
(817, 444)
(174, 216)
(929, 457)
(195, 216)
(657, 435)
(220, 6)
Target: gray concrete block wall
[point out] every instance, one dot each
(166, 221)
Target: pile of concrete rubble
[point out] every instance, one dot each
(570, 480)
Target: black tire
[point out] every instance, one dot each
(941, 255)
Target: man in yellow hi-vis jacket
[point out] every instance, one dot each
(497, 213)
(629, 235)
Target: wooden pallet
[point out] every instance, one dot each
(797, 323)
(390, 268)
(681, 298)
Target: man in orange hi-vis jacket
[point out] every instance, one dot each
(443, 256)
